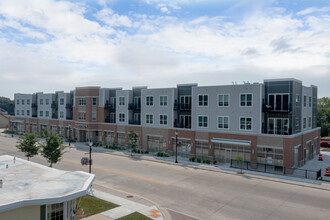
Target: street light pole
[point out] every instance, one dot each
(90, 156)
(176, 146)
(12, 129)
(69, 136)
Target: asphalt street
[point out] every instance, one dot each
(198, 193)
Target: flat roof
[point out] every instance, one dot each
(26, 183)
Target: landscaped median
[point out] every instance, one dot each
(88, 206)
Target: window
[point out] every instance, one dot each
(82, 101)
(61, 114)
(202, 121)
(28, 101)
(61, 101)
(93, 116)
(246, 100)
(163, 119)
(17, 101)
(149, 100)
(223, 122)
(203, 100)
(17, 112)
(305, 101)
(279, 102)
(149, 118)
(22, 101)
(94, 101)
(163, 100)
(304, 123)
(278, 126)
(297, 99)
(245, 123)
(55, 211)
(22, 112)
(121, 116)
(297, 123)
(47, 113)
(41, 101)
(82, 116)
(310, 101)
(185, 102)
(309, 121)
(41, 113)
(137, 102)
(121, 100)
(223, 100)
(47, 101)
(28, 112)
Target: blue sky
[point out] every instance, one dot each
(48, 45)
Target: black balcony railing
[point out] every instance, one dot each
(134, 106)
(135, 122)
(54, 105)
(54, 116)
(270, 108)
(182, 106)
(34, 116)
(34, 105)
(110, 120)
(68, 118)
(109, 106)
(68, 105)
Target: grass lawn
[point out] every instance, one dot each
(92, 205)
(326, 149)
(135, 216)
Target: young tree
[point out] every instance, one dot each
(28, 144)
(53, 149)
(132, 140)
(239, 160)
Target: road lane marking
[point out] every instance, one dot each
(120, 173)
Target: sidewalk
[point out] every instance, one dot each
(185, 161)
(126, 207)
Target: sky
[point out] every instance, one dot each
(48, 45)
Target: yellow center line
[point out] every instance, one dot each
(120, 173)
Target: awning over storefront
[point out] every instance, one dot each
(17, 121)
(231, 141)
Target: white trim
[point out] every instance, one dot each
(223, 96)
(239, 99)
(153, 100)
(166, 120)
(266, 146)
(119, 100)
(203, 122)
(217, 125)
(149, 118)
(166, 101)
(208, 100)
(239, 123)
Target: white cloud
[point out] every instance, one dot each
(313, 10)
(112, 19)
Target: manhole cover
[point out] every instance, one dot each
(129, 196)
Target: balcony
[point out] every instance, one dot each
(134, 106)
(68, 118)
(68, 105)
(182, 107)
(34, 116)
(110, 106)
(273, 109)
(135, 122)
(109, 120)
(34, 105)
(54, 116)
(54, 105)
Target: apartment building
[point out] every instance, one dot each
(273, 122)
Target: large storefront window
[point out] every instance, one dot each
(156, 144)
(121, 141)
(202, 149)
(184, 147)
(224, 152)
(270, 155)
(55, 212)
(109, 138)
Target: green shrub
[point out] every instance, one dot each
(166, 155)
(208, 161)
(199, 160)
(214, 162)
(193, 159)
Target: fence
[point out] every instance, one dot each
(269, 168)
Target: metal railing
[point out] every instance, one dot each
(275, 169)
